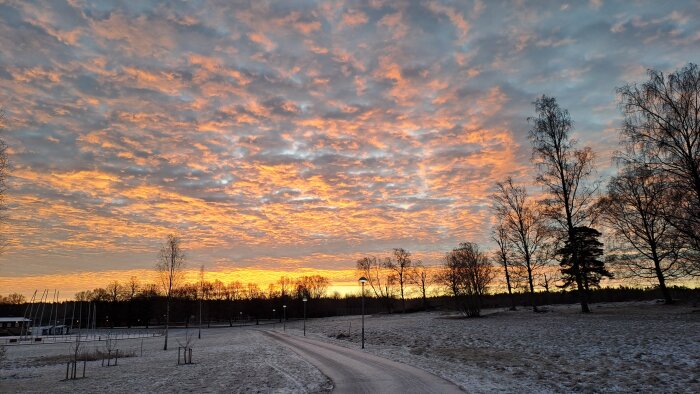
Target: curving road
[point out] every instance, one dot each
(354, 371)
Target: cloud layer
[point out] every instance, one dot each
(297, 134)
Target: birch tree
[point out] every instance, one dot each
(564, 171)
(662, 117)
(523, 229)
(648, 245)
(401, 265)
(503, 256)
(170, 266)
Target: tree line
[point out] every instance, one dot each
(312, 286)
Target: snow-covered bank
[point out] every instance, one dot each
(639, 346)
(225, 360)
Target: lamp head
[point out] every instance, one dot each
(363, 280)
(304, 299)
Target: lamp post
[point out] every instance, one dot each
(199, 329)
(362, 282)
(284, 317)
(304, 299)
(273, 318)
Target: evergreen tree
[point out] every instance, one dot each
(584, 244)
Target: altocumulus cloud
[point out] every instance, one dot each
(295, 134)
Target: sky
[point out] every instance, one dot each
(295, 136)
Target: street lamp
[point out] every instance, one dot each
(362, 281)
(284, 318)
(304, 299)
(273, 318)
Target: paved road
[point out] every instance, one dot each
(354, 371)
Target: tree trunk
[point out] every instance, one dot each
(696, 181)
(167, 319)
(532, 287)
(510, 289)
(128, 314)
(662, 281)
(580, 289)
(530, 280)
(403, 300)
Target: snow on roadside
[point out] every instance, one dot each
(639, 346)
(225, 360)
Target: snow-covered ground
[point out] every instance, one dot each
(225, 360)
(639, 346)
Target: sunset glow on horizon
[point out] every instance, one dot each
(292, 138)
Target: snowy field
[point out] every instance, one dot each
(224, 360)
(622, 347)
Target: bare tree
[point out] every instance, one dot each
(546, 282)
(564, 172)
(401, 265)
(110, 345)
(422, 278)
(235, 290)
(200, 298)
(312, 286)
(207, 290)
(186, 291)
(662, 117)
(503, 256)
(115, 290)
(132, 287)
(380, 279)
(74, 353)
(186, 345)
(114, 293)
(13, 299)
(170, 267)
(84, 295)
(467, 273)
(649, 246)
(523, 229)
(285, 285)
(272, 291)
(220, 292)
(99, 294)
(149, 290)
(253, 291)
(131, 290)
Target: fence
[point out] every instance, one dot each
(85, 336)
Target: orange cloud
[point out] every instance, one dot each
(354, 18)
(262, 40)
(287, 138)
